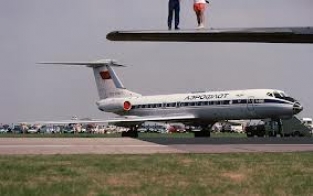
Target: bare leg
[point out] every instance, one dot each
(198, 19)
(202, 17)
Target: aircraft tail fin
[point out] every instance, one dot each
(108, 83)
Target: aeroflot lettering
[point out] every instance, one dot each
(200, 97)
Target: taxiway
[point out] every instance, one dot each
(150, 146)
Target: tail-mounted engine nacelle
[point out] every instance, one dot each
(114, 105)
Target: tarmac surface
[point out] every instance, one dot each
(23, 146)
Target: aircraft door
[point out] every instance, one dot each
(164, 109)
(250, 104)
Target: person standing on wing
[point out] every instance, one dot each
(199, 8)
(173, 7)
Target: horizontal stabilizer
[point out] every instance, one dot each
(98, 63)
(108, 83)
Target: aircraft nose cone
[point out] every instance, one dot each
(297, 108)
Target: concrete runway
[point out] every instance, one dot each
(11, 146)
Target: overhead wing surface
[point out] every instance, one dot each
(256, 35)
(131, 120)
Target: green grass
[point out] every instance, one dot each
(141, 135)
(160, 174)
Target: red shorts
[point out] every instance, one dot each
(198, 7)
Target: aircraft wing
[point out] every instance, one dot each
(125, 121)
(139, 120)
(256, 35)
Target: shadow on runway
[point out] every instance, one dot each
(220, 141)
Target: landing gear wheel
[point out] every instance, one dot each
(272, 134)
(203, 133)
(296, 134)
(130, 133)
(250, 135)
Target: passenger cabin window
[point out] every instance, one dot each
(171, 105)
(204, 103)
(192, 104)
(184, 104)
(226, 102)
(216, 102)
(269, 94)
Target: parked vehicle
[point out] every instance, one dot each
(5, 129)
(236, 128)
(308, 123)
(17, 129)
(67, 129)
(33, 129)
(290, 127)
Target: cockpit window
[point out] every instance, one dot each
(277, 95)
(281, 95)
(269, 94)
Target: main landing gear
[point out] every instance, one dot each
(205, 131)
(132, 132)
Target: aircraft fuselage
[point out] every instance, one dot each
(208, 106)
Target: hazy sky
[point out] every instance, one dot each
(64, 30)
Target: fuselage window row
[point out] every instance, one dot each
(199, 103)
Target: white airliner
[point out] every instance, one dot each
(197, 109)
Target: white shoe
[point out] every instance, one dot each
(201, 26)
